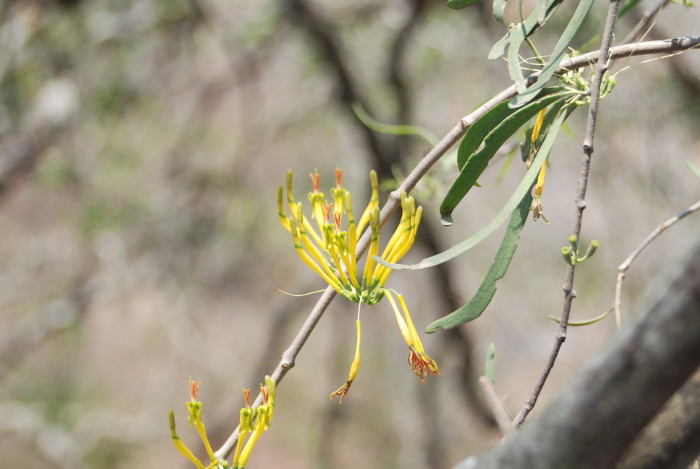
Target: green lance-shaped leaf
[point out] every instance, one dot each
(475, 164)
(559, 50)
(487, 290)
(392, 129)
(459, 4)
(543, 11)
(515, 199)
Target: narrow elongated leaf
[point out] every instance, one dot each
(393, 129)
(479, 130)
(559, 50)
(531, 24)
(487, 290)
(585, 322)
(459, 4)
(477, 162)
(520, 191)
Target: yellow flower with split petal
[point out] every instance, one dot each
(420, 362)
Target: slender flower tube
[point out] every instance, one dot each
(343, 390)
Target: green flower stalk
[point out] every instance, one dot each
(330, 249)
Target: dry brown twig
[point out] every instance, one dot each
(496, 405)
(624, 267)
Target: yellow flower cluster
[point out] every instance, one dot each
(330, 250)
(249, 425)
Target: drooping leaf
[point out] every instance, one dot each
(515, 199)
(478, 131)
(476, 162)
(392, 129)
(560, 48)
(586, 322)
(487, 290)
(459, 4)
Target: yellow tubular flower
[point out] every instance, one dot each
(535, 135)
(331, 253)
(420, 362)
(407, 241)
(368, 282)
(308, 260)
(245, 426)
(264, 414)
(345, 388)
(403, 239)
(280, 209)
(352, 229)
(373, 203)
(180, 446)
(292, 208)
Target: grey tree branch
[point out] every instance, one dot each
(608, 403)
(624, 267)
(569, 293)
(645, 22)
(394, 200)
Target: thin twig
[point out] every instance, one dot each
(287, 361)
(569, 293)
(622, 269)
(496, 405)
(645, 22)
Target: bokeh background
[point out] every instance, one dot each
(141, 145)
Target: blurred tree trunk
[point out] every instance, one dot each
(595, 421)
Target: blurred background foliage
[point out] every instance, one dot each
(141, 144)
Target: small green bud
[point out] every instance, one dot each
(566, 254)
